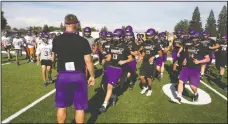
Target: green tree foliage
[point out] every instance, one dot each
(3, 21)
(222, 22)
(183, 25)
(196, 23)
(211, 24)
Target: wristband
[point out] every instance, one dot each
(156, 56)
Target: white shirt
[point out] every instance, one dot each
(50, 41)
(45, 51)
(30, 41)
(17, 43)
(39, 41)
(6, 41)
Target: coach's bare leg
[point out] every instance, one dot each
(202, 69)
(79, 116)
(194, 89)
(44, 72)
(61, 115)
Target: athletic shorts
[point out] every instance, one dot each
(31, 51)
(191, 74)
(147, 70)
(17, 51)
(7, 48)
(71, 88)
(46, 62)
(113, 74)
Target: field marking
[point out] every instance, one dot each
(7, 120)
(28, 107)
(224, 97)
(6, 63)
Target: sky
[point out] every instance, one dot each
(140, 15)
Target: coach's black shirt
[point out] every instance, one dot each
(71, 47)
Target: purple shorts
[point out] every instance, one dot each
(164, 57)
(159, 61)
(207, 63)
(132, 65)
(191, 74)
(113, 74)
(174, 55)
(71, 87)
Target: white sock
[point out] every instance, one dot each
(202, 73)
(105, 104)
(195, 93)
(179, 95)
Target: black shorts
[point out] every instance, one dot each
(46, 62)
(221, 61)
(7, 48)
(147, 70)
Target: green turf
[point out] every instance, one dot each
(131, 107)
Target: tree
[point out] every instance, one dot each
(211, 24)
(222, 22)
(104, 28)
(15, 29)
(3, 21)
(7, 27)
(123, 28)
(46, 28)
(182, 25)
(196, 23)
(93, 29)
(61, 27)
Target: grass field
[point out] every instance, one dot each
(22, 85)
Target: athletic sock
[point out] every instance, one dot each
(105, 104)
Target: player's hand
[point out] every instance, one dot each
(196, 61)
(103, 62)
(184, 62)
(210, 47)
(151, 59)
(91, 81)
(178, 54)
(121, 62)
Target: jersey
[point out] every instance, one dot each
(50, 41)
(38, 41)
(222, 50)
(45, 51)
(17, 43)
(132, 46)
(106, 48)
(6, 41)
(150, 49)
(164, 44)
(30, 41)
(177, 41)
(118, 52)
(91, 41)
(207, 44)
(195, 52)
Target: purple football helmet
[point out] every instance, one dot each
(205, 33)
(185, 38)
(102, 34)
(109, 36)
(150, 32)
(196, 34)
(29, 32)
(129, 28)
(162, 35)
(118, 34)
(87, 31)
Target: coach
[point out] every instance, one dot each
(74, 54)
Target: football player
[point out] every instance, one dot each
(44, 53)
(30, 41)
(7, 43)
(17, 43)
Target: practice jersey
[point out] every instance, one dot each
(91, 41)
(106, 48)
(38, 41)
(176, 42)
(150, 49)
(195, 52)
(208, 43)
(6, 41)
(99, 41)
(45, 51)
(222, 50)
(50, 41)
(30, 41)
(164, 44)
(118, 52)
(132, 46)
(17, 43)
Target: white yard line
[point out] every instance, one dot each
(224, 97)
(27, 107)
(6, 63)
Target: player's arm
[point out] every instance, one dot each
(216, 46)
